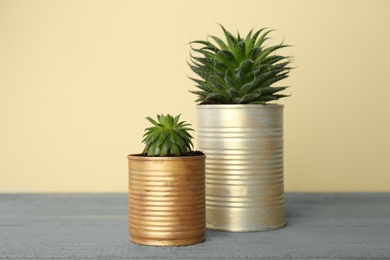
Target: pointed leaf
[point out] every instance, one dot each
(165, 147)
(240, 50)
(183, 135)
(248, 38)
(231, 41)
(151, 121)
(232, 92)
(244, 68)
(204, 74)
(199, 93)
(276, 79)
(152, 149)
(271, 90)
(269, 98)
(226, 57)
(229, 81)
(160, 140)
(273, 59)
(175, 150)
(253, 39)
(252, 54)
(269, 50)
(176, 119)
(209, 45)
(216, 97)
(239, 74)
(262, 38)
(249, 98)
(178, 139)
(220, 43)
(216, 84)
(190, 145)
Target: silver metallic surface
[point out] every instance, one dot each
(244, 166)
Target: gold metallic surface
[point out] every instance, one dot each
(167, 200)
(244, 166)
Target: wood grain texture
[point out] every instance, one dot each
(90, 226)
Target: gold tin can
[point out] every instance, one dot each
(244, 166)
(167, 200)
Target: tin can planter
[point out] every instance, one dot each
(244, 166)
(167, 200)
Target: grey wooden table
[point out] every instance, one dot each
(94, 226)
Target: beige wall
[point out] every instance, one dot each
(77, 79)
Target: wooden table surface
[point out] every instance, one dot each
(94, 226)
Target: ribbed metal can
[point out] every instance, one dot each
(244, 166)
(167, 200)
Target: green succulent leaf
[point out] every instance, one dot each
(231, 40)
(214, 97)
(175, 150)
(268, 51)
(252, 40)
(273, 59)
(237, 70)
(262, 38)
(246, 66)
(217, 82)
(249, 98)
(229, 81)
(276, 79)
(253, 53)
(209, 45)
(160, 140)
(232, 92)
(203, 52)
(152, 149)
(272, 90)
(151, 121)
(203, 86)
(202, 72)
(167, 137)
(226, 57)
(240, 50)
(199, 93)
(176, 120)
(221, 43)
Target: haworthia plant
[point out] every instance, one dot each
(238, 70)
(167, 137)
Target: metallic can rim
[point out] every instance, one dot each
(139, 157)
(238, 230)
(238, 106)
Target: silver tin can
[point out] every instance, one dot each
(244, 166)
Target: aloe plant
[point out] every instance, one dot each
(238, 70)
(167, 137)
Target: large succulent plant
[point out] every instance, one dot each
(238, 70)
(167, 137)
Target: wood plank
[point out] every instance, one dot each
(79, 226)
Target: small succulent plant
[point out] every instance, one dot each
(238, 70)
(167, 137)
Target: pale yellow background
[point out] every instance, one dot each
(77, 79)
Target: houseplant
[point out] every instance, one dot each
(167, 187)
(241, 133)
